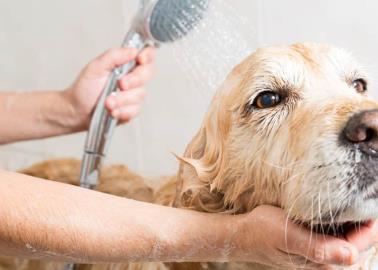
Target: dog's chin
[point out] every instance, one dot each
(354, 217)
(338, 229)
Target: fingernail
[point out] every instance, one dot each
(131, 50)
(111, 103)
(345, 252)
(143, 59)
(348, 256)
(125, 84)
(116, 113)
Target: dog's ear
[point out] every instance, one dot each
(203, 166)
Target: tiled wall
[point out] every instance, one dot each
(44, 44)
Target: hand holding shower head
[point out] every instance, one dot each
(157, 21)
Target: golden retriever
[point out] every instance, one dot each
(291, 126)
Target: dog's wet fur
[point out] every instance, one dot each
(278, 132)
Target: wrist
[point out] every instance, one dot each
(242, 235)
(231, 237)
(75, 117)
(212, 237)
(225, 232)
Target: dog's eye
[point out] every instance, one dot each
(267, 100)
(360, 85)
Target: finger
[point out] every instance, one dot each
(127, 113)
(330, 267)
(364, 237)
(295, 239)
(113, 58)
(138, 77)
(321, 248)
(293, 261)
(123, 99)
(147, 56)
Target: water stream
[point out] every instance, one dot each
(210, 51)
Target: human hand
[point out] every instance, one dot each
(125, 105)
(269, 238)
(365, 236)
(365, 239)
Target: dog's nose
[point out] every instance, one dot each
(362, 129)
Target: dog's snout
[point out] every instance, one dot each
(362, 129)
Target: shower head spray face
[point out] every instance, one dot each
(164, 21)
(171, 20)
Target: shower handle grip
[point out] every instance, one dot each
(100, 131)
(103, 124)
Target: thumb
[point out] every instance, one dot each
(364, 236)
(318, 248)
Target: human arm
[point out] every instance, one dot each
(44, 219)
(28, 115)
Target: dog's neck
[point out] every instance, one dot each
(210, 182)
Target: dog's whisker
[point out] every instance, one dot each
(286, 229)
(320, 213)
(293, 177)
(289, 166)
(311, 234)
(332, 227)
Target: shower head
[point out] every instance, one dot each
(164, 21)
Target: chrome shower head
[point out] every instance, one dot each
(172, 19)
(164, 21)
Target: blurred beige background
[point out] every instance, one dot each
(45, 43)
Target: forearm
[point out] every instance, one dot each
(34, 115)
(46, 219)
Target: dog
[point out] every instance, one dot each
(291, 126)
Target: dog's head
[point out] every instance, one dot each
(292, 126)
